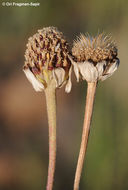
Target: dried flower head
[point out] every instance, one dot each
(47, 59)
(95, 58)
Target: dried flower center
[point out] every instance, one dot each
(47, 50)
(95, 50)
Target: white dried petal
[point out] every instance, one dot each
(100, 68)
(76, 70)
(111, 70)
(69, 83)
(59, 75)
(113, 67)
(37, 85)
(88, 71)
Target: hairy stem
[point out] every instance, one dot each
(50, 93)
(86, 128)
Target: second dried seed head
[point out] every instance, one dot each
(94, 58)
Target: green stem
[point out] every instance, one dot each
(86, 128)
(50, 93)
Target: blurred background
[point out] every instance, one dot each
(23, 119)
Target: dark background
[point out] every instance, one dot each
(23, 119)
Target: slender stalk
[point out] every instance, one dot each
(86, 128)
(50, 93)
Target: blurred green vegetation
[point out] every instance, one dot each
(23, 120)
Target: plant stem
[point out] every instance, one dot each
(86, 128)
(50, 93)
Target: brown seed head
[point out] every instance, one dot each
(47, 51)
(94, 58)
(95, 49)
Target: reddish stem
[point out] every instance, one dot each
(51, 110)
(86, 128)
